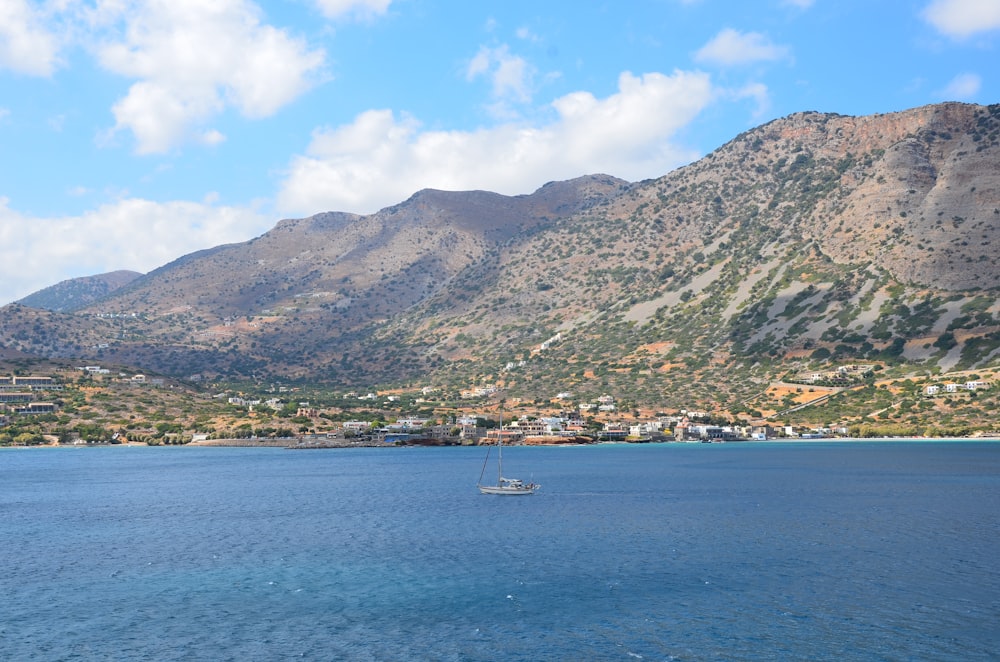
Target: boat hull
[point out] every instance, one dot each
(506, 490)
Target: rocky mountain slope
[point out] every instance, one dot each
(811, 241)
(76, 293)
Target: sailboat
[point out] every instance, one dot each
(504, 486)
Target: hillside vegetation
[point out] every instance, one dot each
(813, 241)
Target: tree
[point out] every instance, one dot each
(28, 439)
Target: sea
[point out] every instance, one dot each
(881, 550)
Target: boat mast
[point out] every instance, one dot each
(500, 449)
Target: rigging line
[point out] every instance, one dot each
(481, 473)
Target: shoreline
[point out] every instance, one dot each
(328, 445)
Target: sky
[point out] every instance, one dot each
(133, 132)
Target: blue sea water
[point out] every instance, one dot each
(794, 551)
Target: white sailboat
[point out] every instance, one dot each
(504, 486)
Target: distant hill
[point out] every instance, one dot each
(811, 241)
(77, 293)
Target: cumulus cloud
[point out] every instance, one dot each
(192, 60)
(134, 234)
(359, 8)
(731, 47)
(27, 46)
(510, 74)
(380, 159)
(963, 18)
(759, 93)
(963, 87)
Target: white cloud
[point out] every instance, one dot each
(963, 87)
(129, 234)
(193, 60)
(963, 18)
(359, 8)
(511, 75)
(730, 47)
(759, 93)
(526, 34)
(380, 159)
(26, 45)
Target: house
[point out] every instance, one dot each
(976, 385)
(933, 389)
(410, 423)
(645, 429)
(723, 433)
(528, 428)
(686, 432)
(243, 402)
(509, 436)
(471, 431)
(478, 392)
(33, 382)
(36, 408)
(614, 431)
(357, 426)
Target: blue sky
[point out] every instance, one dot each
(135, 131)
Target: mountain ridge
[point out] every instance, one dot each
(810, 239)
(75, 293)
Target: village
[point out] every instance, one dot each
(480, 415)
(474, 416)
(24, 396)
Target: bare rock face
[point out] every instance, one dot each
(926, 208)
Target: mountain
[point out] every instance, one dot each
(813, 241)
(77, 293)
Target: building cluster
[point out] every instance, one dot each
(478, 392)
(936, 389)
(605, 403)
(19, 395)
(99, 373)
(845, 374)
(568, 427)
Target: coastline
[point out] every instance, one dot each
(289, 444)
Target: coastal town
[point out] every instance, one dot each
(59, 409)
